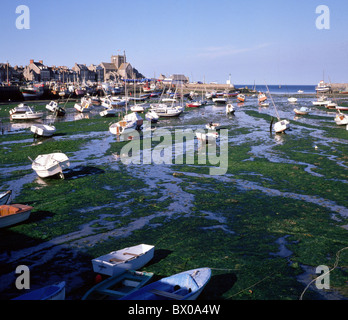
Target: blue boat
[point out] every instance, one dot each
(51, 292)
(186, 285)
(118, 286)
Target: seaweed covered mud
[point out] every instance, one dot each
(264, 224)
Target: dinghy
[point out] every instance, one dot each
(116, 262)
(109, 112)
(187, 285)
(11, 214)
(51, 292)
(5, 196)
(55, 108)
(229, 109)
(292, 100)
(261, 97)
(207, 137)
(213, 126)
(43, 130)
(341, 119)
(132, 121)
(241, 97)
(220, 100)
(302, 111)
(151, 116)
(47, 165)
(116, 287)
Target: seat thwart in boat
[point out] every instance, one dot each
(167, 294)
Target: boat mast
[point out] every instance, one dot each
(273, 103)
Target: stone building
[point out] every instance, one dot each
(36, 71)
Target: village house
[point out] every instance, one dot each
(83, 73)
(37, 71)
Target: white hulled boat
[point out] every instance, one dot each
(47, 165)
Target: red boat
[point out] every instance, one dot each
(194, 104)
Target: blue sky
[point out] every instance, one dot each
(270, 41)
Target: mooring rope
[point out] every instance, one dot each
(322, 275)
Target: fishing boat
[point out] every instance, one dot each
(322, 87)
(29, 114)
(50, 292)
(261, 97)
(11, 214)
(116, 262)
(213, 126)
(302, 111)
(5, 196)
(43, 130)
(51, 164)
(229, 109)
(132, 121)
(241, 97)
(207, 137)
(187, 285)
(151, 116)
(341, 119)
(118, 286)
(32, 92)
(292, 100)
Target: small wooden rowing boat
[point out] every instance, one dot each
(118, 286)
(11, 214)
(116, 262)
(187, 285)
(50, 292)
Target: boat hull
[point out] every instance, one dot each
(187, 285)
(52, 292)
(281, 126)
(5, 196)
(43, 130)
(117, 262)
(13, 214)
(50, 164)
(116, 287)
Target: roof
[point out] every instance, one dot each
(108, 66)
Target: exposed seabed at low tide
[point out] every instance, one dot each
(265, 205)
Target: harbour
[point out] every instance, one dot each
(161, 154)
(287, 186)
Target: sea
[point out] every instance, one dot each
(281, 89)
